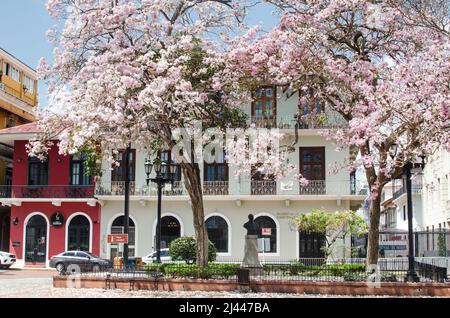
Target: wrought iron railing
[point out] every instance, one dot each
(281, 122)
(415, 188)
(264, 121)
(266, 187)
(327, 120)
(215, 188)
(314, 187)
(117, 188)
(339, 270)
(45, 191)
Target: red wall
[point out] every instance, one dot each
(59, 172)
(59, 175)
(57, 237)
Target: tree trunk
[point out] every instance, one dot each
(374, 231)
(193, 185)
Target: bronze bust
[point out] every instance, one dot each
(251, 226)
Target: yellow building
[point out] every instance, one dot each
(18, 100)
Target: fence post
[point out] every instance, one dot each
(243, 276)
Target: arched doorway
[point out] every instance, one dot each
(36, 239)
(217, 229)
(117, 227)
(268, 243)
(170, 230)
(78, 237)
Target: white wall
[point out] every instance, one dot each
(436, 194)
(145, 218)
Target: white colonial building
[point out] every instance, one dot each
(228, 200)
(436, 194)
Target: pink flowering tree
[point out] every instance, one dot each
(383, 66)
(127, 71)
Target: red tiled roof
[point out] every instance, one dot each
(21, 129)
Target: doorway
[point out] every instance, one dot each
(36, 240)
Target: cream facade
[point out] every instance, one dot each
(228, 200)
(436, 194)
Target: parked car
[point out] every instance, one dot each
(86, 261)
(150, 258)
(7, 259)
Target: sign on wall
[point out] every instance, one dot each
(118, 238)
(57, 219)
(266, 231)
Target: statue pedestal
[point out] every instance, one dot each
(251, 260)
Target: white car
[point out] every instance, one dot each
(7, 259)
(150, 258)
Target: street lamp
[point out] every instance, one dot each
(164, 173)
(411, 275)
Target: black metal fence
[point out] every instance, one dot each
(342, 270)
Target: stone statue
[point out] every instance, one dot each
(251, 245)
(251, 226)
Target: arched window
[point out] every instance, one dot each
(268, 243)
(218, 232)
(36, 240)
(170, 230)
(78, 234)
(117, 227)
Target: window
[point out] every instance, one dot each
(37, 172)
(12, 72)
(264, 104)
(310, 104)
(216, 171)
(312, 167)
(28, 83)
(78, 234)
(69, 254)
(404, 213)
(311, 245)
(117, 227)
(78, 171)
(118, 173)
(83, 255)
(170, 230)
(218, 233)
(166, 156)
(268, 243)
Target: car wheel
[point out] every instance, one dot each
(96, 268)
(60, 267)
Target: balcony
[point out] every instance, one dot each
(415, 188)
(215, 188)
(117, 188)
(263, 187)
(314, 187)
(235, 188)
(36, 192)
(281, 122)
(328, 120)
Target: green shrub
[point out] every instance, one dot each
(185, 249)
(203, 272)
(355, 276)
(156, 267)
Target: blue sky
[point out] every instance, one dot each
(25, 22)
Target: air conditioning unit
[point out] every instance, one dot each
(2, 87)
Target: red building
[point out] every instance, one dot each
(51, 203)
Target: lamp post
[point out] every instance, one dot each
(411, 275)
(164, 173)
